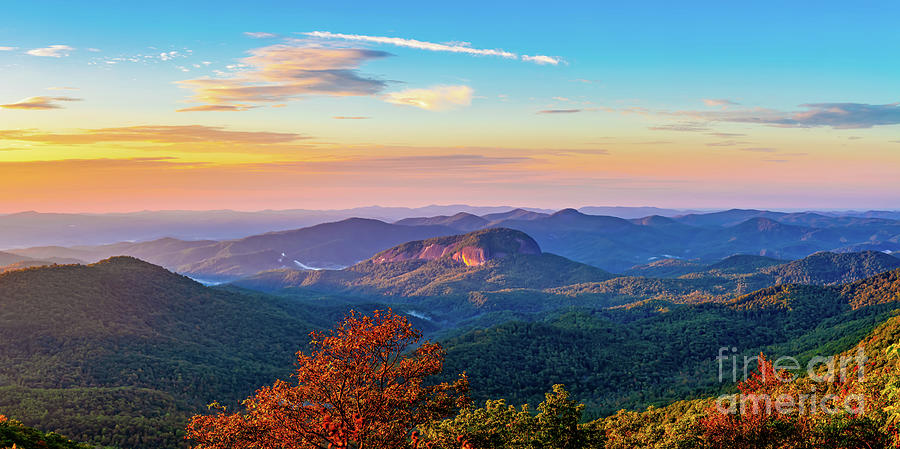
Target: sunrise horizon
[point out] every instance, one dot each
(460, 205)
(275, 106)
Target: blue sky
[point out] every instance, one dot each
(690, 104)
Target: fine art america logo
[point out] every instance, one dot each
(767, 397)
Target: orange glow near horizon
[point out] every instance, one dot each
(150, 168)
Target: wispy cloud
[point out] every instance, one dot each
(760, 149)
(8, 48)
(684, 127)
(260, 35)
(156, 134)
(428, 162)
(845, 115)
(53, 51)
(344, 117)
(834, 115)
(153, 57)
(38, 103)
(542, 59)
(461, 47)
(452, 47)
(719, 102)
(62, 88)
(435, 98)
(215, 107)
(285, 72)
(559, 111)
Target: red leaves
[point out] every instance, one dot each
(357, 387)
(464, 444)
(753, 421)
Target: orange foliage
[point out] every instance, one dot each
(359, 387)
(754, 422)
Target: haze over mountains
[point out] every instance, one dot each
(610, 243)
(25, 229)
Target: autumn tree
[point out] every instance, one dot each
(362, 385)
(758, 421)
(754, 422)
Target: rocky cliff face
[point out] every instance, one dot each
(471, 249)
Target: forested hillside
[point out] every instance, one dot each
(656, 352)
(121, 352)
(697, 423)
(14, 434)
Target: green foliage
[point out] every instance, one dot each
(115, 417)
(674, 426)
(498, 425)
(654, 352)
(827, 268)
(14, 433)
(686, 424)
(123, 352)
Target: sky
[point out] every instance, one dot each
(110, 106)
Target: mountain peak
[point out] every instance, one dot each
(472, 249)
(655, 220)
(124, 261)
(568, 212)
(515, 214)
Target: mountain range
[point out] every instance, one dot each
(613, 244)
(25, 229)
(331, 245)
(10, 261)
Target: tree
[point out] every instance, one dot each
(754, 422)
(501, 426)
(360, 386)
